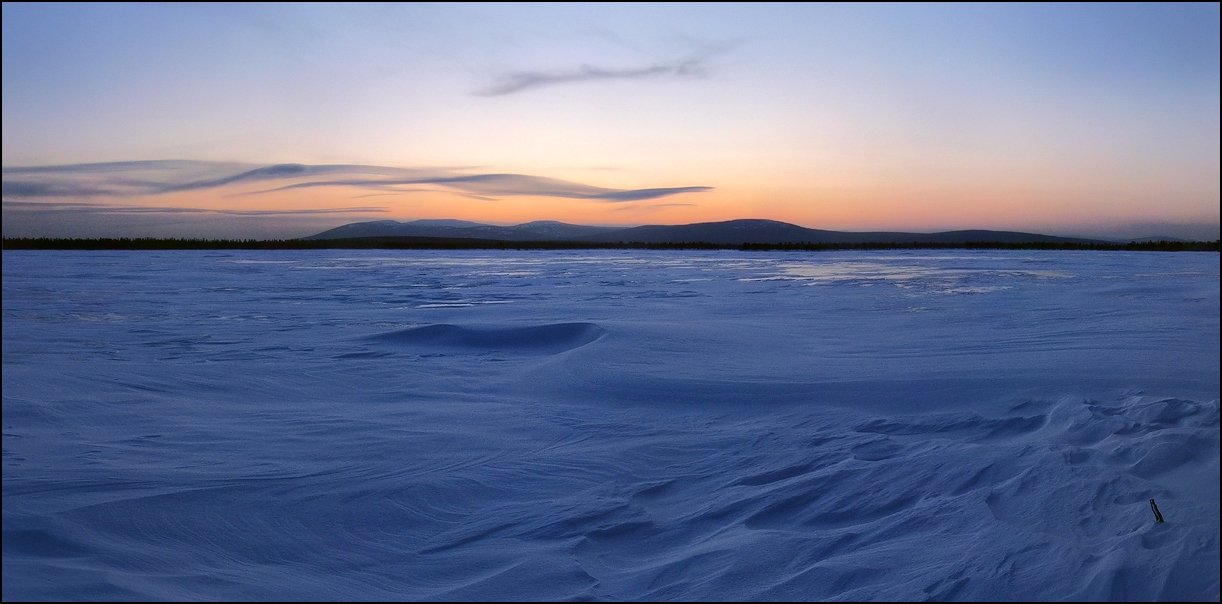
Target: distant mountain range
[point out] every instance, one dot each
(542, 230)
(732, 232)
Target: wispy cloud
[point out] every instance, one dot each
(521, 81)
(490, 186)
(643, 194)
(138, 179)
(102, 208)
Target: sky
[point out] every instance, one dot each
(283, 120)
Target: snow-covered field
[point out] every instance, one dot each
(612, 425)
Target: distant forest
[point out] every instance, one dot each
(435, 243)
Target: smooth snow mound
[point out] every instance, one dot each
(536, 339)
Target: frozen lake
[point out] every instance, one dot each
(618, 425)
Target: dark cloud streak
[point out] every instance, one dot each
(488, 186)
(521, 81)
(125, 180)
(88, 208)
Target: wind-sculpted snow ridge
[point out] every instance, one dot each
(613, 425)
(535, 339)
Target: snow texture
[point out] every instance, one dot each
(614, 425)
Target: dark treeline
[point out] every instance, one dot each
(436, 243)
(1134, 246)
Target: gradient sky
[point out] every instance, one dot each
(1087, 119)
